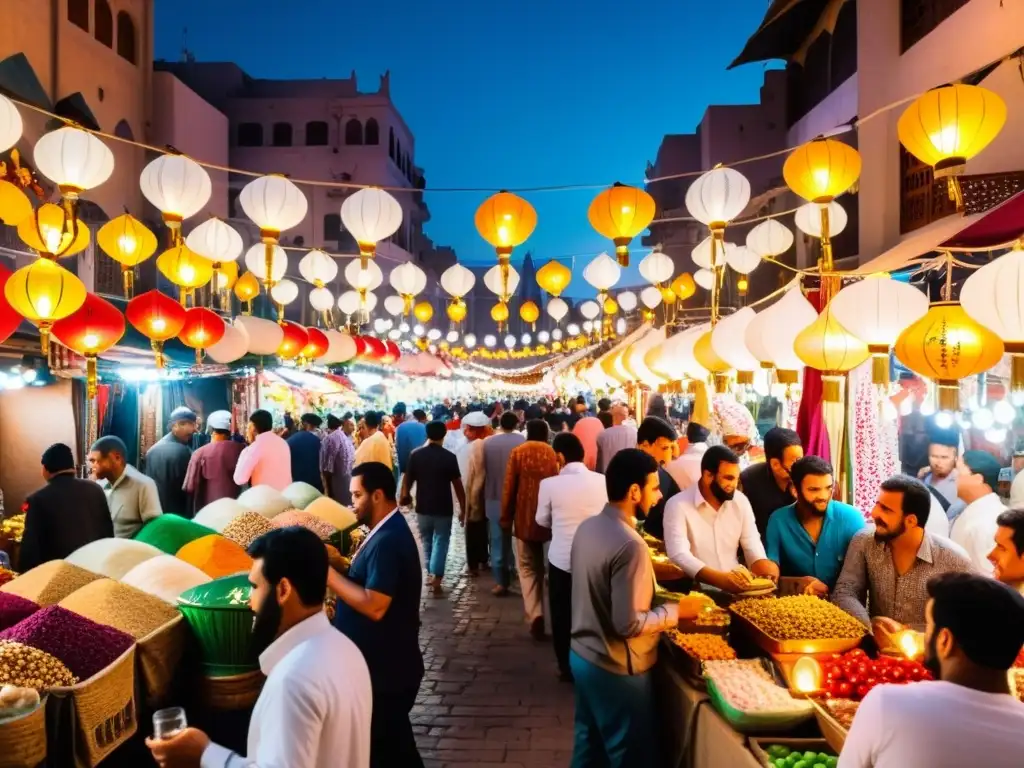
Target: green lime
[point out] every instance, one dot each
(780, 762)
(801, 764)
(782, 750)
(818, 765)
(810, 756)
(773, 750)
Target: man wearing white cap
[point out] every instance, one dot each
(211, 469)
(476, 427)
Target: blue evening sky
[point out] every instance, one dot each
(503, 95)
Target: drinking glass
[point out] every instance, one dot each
(168, 722)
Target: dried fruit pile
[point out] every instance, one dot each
(747, 687)
(843, 710)
(702, 646)
(246, 528)
(853, 674)
(800, 617)
(27, 667)
(321, 528)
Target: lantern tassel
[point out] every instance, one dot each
(199, 356)
(44, 337)
(90, 376)
(183, 295)
(128, 275)
(622, 250)
(247, 307)
(280, 313)
(268, 255)
(158, 352)
(1016, 373)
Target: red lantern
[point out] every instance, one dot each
(360, 347)
(375, 349)
(9, 318)
(91, 330)
(158, 317)
(203, 328)
(295, 339)
(316, 344)
(392, 353)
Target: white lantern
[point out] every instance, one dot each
(742, 259)
(403, 327)
(349, 302)
(769, 238)
(265, 336)
(363, 278)
(808, 219)
(318, 268)
(232, 345)
(543, 337)
(321, 299)
(458, 281)
(558, 309)
(776, 329)
(408, 279)
(492, 280)
(369, 302)
(657, 268)
(452, 337)
(341, 348)
(74, 160)
(878, 309)
(256, 262)
(717, 197)
(380, 325)
(627, 301)
(433, 334)
(418, 330)
(992, 297)
(371, 215)
(603, 272)
(394, 305)
(704, 278)
(526, 339)
(274, 204)
(590, 309)
(490, 340)
(215, 240)
(701, 254)
(469, 340)
(284, 292)
(572, 329)
(588, 326)
(620, 326)
(728, 342)
(11, 126)
(394, 334)
(556, 334)
(178, 187)
(510, 341)
(651, 297)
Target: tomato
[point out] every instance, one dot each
(916, 672)
(844, 689)
(862, 668)
(897, 675)
(862, 691)
(871, 681)
(857, 653)
(836, 656)
(855, 679)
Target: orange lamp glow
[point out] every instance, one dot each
(620, 213)
(554, 277)
(505, 221)
(247, 288)
(52, 232)
(92, 330)
(294, 341)
(44, 292)
(203, 328)
(391, 354)
(158, 317)
(129, 242)
(530, 313)
(316, 344)
(457, 310)
(185, 268)
(423, 311)
(683, 286)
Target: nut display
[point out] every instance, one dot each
(800, 617)
(843, 710)
(26, 667)
(747, 687)
(702, 646)
(246, 528)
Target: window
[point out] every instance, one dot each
(104, 21)
(919, 17)
(282, 135)
(391, 143)
(78, 13)
(125, 36)
(353, 132)
(332, 226)
(372, 132)
(316, 134)
(250, 135)
(123, 130)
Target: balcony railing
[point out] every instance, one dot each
(922, 198)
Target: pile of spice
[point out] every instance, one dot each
(218, 514)
(321, 528)
(268, 501)
(169, 533)
(120, 606)
(49, 583)
(14, 609)
(247, 527)
(301, 494)
(112, 558)
(165, 577)
(330, 511)
(26, 667)
(216, 556)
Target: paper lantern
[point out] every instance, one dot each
(602, 273)
(394, 305)
(742, 260)
(558, 309)
(502, 287)
(457, 281)
(129, 242)
(364, 278)
(53, 232)
(530, 313)
(184, 268)
(728, 343)
(684, 286)
(9, 318)
(717, 197)
(410, 281)
(178, 187)
(74, 160)
(771, 335)
(423, 311)
(705, 278)
(505, 221)
(830, 348)
(499, 313)
(256, 262)
(375, 349)
(590, 309)
(225, 275)
(265, 336)
(321, 299)
(391, 353)
(822, 169)
(91, 330)
(769, 239)
(457, 310)
(247, 288)
(317, 345)
(610, 306)
(203, 328)
(554, 277)
(877, 310)
(158, 317)
(318, 268)
(15, 206)
(294, 340)
(11, 126)
(947, 345)
(620, 213)
(808, 218)
(370, 215)
(215, 240)
(341, 348)
(232, 346)
(651, 297)
(627, 300)
(706, 355)
(701, 254)
(349, 302)
(361, 346)
(657, 268)
(274, 204)
(44, 292)
(993, 297)
(284, 293)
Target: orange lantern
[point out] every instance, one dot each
(53, 232)
(129, 242)
(91, 330)
(554, 277)
(316, 345)
(423, 311)
(392, 353)
(620, 213)
(375, 349)
(505, 221)
(158, 317)
(360, 342)
(203, 328)
(247, 288)
(530, 312)
(457, 310)
(683, 287)
(294, 341)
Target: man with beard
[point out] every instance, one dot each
(975, 628)
(379, 609)
(310, 714)
(809, 539)
(767, 484)
(1007, 557)
(888, 566)
(656, 437)
(708, 523)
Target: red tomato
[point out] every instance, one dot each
(897, 674)
(857, 653)
(862, 691)
(855, 679)
(862, 668)
(871, 681)
(844, 690)
(916, 672)
(834, 656)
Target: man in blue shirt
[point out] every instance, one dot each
(378, 609)
(305, 450)
(809, 539)
(409, 436)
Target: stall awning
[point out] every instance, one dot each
(999, 227)
(920, 242)
(18, 79)
(784, 29)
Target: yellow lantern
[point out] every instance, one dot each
(505, 221)
(683, 287)
(946, 345)
(828, 347)
(185, 268)
(530, 312)
(707, 359)
(423, 311)
(822, 169)
(53, 232)
(554, 277)
(247, 288)
(15, 206)
(610, 306)
(499, 313)
(129, 242)
(620, 213)
(44, 292)
(457, 310)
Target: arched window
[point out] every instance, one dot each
(353, 132)
(124, 131)
(104, 23)
(372, 132)
(391, 143)
(282, 135)
(125, 36)
(250, 135)
(78, 13)
(316, 134)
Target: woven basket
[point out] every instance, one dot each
(23, 739)
(234, 692)
(159, 654)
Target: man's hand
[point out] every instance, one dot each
(690, 608)
(923, 471)
(891, 626)
(336, 560)
(808, 585)
(184, 749)
(736, 580)
(671, 612)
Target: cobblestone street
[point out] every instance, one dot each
(490, 696)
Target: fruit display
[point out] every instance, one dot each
(842, 710)
(782, 756)
(853, 674)
(799, 617)
(748, 688)
(701, 645)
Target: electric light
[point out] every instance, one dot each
(178, 187)
(656, 268)
(554, 277)
(627, 301)
(409, 281)
(11, 125)
(808, 219)
(274, 204)
(769, 239)
(827, 346)
(558, 309)
(992, 296)
(620, 213)
(822, 169)
(268, 269)
(74, 160)
(44, 292)
(53, 232)
(717, 197)
(318, 268)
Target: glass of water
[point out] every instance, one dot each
(167, 723)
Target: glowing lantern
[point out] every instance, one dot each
(505, 221)
(44, 292)
(992, 296)
(558, 309)
(457, 281)
(828, 347)
(554, 277)
(268, 263)
(627, 300)
(657, 268)
(178, 187)
(590, 310)
(391, 354)
(742, 259)
(706, 356)
(808, 219)
(946, 345)
(727, 342)
(822, 169)
(91, 330)
(129, 242)
(423, 311)
(457, 310)
(219, 243)
(294, 340)
(361, 346)
(371, 215)
(530, 313)
(318, 268)
(203, 328)
(651, 297)
(247, 288)
(341, 348)
(771, 335)
(14, 204)
(684, 286)
(158, 317)
(284, 293)
(11, 125)
(321, 299)
(705, 278)
(410, 281)
(9, 319)
(74, 160)
(225, 275)
(769, 239)
(374, 349)
(602, 273)
(620, 213)
(53, 232)
(274, 204)
(717, 197)
(185, 269)
(317, 345)
(610, 306)
(502, 283)
(499, 313)
(232, 345)
(806, 675)
(709, 248)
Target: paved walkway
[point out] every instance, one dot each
(490, 696)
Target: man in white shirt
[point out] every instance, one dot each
(620, 436)
(564, 502)
(1007, 556)
(975, 528)
(310, 714)
(686, 469)
(975, 628)
(707, 523)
